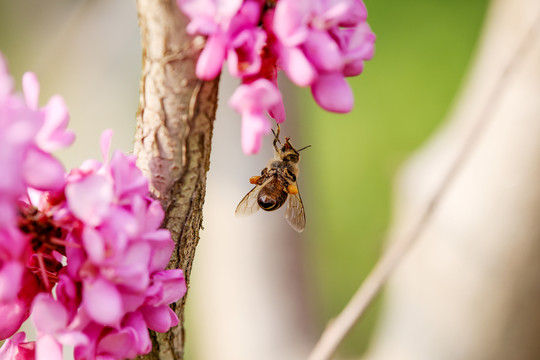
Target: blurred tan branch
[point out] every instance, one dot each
(403, 241)
(173, 139)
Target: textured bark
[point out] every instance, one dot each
(173, 139)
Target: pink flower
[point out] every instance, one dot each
(83, 253)
(167, 286)
(44, 172)
(17, 348)
(332, 92)
(356, 45)
(27, 135)
(125, 341)
(244, 55)
(316, 42)
(130, 337)
(16, 309)
(231, 28)
(118, 231)
(52, 321)
(207, 15)
(252, 101)
(322, 42)
(114, 286)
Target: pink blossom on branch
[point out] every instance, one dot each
(82, 253)
(27, 132)
(231, 28)
(318, 43)
(17, 348)
(252, 101)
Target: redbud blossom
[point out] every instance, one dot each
(17, 348)
(27, 132)
(318, 43)
(82, 254)
(252, 101)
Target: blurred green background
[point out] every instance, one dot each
(422, 52)
(423, 49)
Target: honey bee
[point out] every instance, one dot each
(276, 183)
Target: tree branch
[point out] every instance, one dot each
(173, 139)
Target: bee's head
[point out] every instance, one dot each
(289, 153)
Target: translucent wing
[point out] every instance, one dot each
(295, 215)
(249, 205)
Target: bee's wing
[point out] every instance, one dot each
(249, 205)
(295, 215)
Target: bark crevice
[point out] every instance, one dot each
(173, 140)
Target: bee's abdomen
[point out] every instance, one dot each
(269, 202)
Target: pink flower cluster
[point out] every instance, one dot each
(316, 42)
(81, 253)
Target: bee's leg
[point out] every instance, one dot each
(276, 133)
(276, 138)
(254, 180)
(292, 189)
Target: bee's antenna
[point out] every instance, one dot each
(305, 147)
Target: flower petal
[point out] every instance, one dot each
(197, 8)
(48, 315)
(132, 271)
(159, 318)
(254, 126)
(30, 85)
(102, 302)
(72, 338)
(228, 8)
(162, 249)
(297, 66)
(135, 321)
(90, 198)
(333, 93)
(277, 111)
(290, 21)
(128, 178)
(13, 315)
(53, 134)
(11, 275)
(244, 55)
(211, 58)
(118, 345)
(173, 285)
(42, 171)
(16, 348)
(256, 96)
(47, 348)
(94, 244)
(323, 52)
(356, 13)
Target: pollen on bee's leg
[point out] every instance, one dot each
(292, 189)
(254, 179)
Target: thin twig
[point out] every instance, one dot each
(366, 293)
